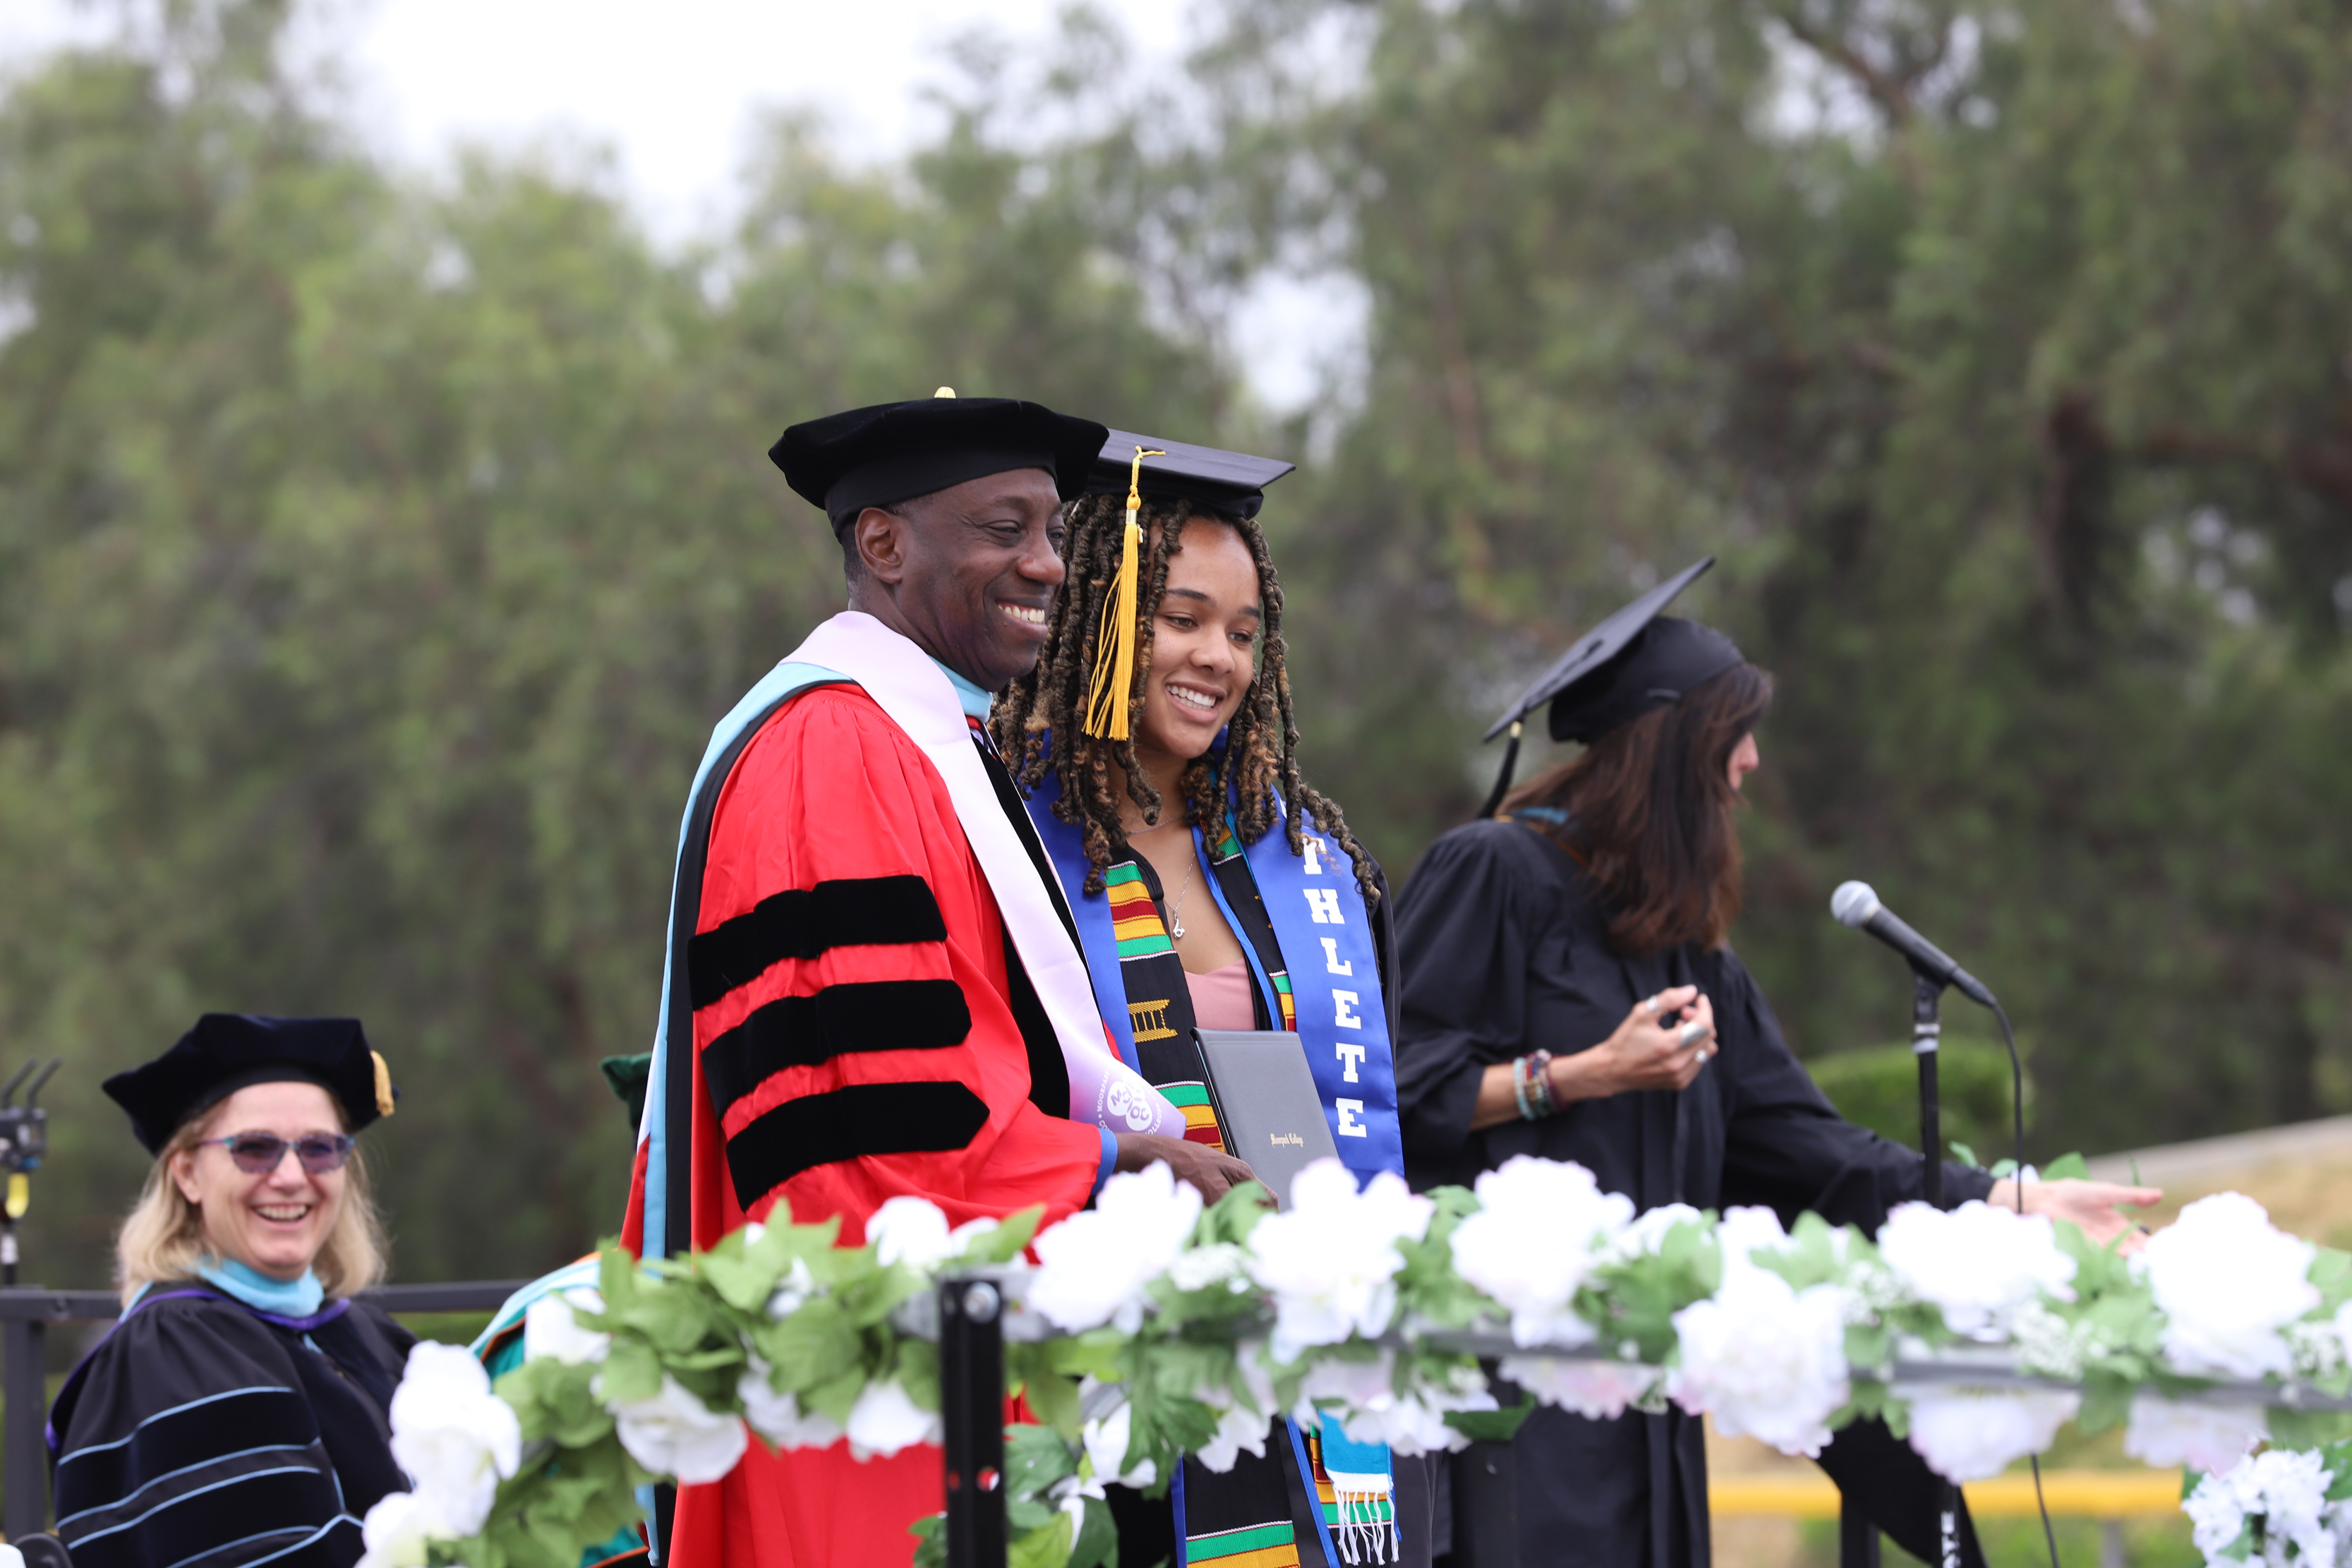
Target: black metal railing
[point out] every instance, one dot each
(26, 1314)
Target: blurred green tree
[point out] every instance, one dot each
(2001, 355)
(375, 554)
(374, 559)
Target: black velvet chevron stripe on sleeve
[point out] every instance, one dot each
(802, 1031)
(923, 1118)
(802, 923)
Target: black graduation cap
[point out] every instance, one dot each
(229, 1051)
(1231, 483)
(889, 452)
(1632, 662)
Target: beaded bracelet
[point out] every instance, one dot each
(1531, 1086)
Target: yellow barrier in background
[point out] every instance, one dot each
(2077, 1494)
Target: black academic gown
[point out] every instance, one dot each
(1503, 942)
(202, 1433)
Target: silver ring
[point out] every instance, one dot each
(1648, 1006)
(1691, 1033)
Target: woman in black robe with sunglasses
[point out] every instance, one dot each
(1568, 992)
(236, 1413)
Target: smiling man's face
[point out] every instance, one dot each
(968, 572)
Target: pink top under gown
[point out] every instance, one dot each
(1222, 999)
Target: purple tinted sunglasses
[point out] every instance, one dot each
(258, 1154)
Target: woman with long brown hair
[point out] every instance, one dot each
(1568, 992)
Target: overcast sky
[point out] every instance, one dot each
(672, 88)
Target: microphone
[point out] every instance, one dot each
(1856, 905)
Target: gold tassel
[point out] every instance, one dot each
(1114, 677)
(384, 1100)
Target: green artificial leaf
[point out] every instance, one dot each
(632, 1370)
(931, 1533)
(1634, 1301)
(1028, 1513)
(1046, 1547)
(1097, 1542)
(1868, 1399)
(1054, 1400)
(2337, 1457)
(743, 1282)
(1233, 1217)
(834, 1398)
(556, 1403)
(565, 1501)
(918, 1371)
(2331, 1271)
(1812, 1256)
(1491, 1425)
(2067, 1167)
(1034, 1459)
(2292, 1429)
(2106, 1402)
(1964, 1155)
(811, 1346)
(1008, 1240)
(1428, 1288)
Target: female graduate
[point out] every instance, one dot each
(1212, 889)
(236, 1413)
(1569, 994)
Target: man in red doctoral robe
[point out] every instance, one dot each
(873, 988)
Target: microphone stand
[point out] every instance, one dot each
(1927, 1036)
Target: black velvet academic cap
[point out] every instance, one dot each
(1231, 483)
(893, 451)
(1635, 662)
(229, 1051)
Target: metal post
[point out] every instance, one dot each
(971, 1411)
(24, 1508)
(1857, 1537)
(1926, 1032)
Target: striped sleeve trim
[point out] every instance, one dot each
(175, 1441)
(242, 1500)
(803, 922)
(805, 1031)
(863, 1120)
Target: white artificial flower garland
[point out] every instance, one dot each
(1371, 1303)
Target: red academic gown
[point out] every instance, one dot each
(904, 1041)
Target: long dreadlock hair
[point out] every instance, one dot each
(1038, 719)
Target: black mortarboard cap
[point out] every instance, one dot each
(890, 452)
(1636, 660)
(1231, 482)
(228, 1051)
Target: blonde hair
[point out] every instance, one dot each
(162, 1239)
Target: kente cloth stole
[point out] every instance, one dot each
(1356, 1493)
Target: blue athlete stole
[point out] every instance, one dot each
(1322, 979)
